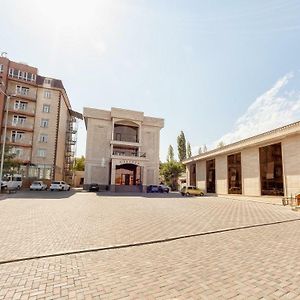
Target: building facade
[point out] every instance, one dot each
(264, 165)
(41, 126)
(122, 149)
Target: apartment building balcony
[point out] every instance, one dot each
(25, 110)
(125, 139)
(19, 143)
(29, 94)
(20, 126)
(126, 134)
(127, 152)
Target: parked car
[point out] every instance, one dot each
(38, 186)
(3, 185)
(152, 189)
(59, 186)
(13, 182)
(163, 188)
(191, 191)
(94, 187)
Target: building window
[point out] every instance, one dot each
(1, 68)
(44, 123)
(41, 152)
(20, 105)
(32, 77)
(46, 108)
(43, 138)
(210, 176)
(21, 90)
(126, 133)
(47, 81)
(271, 173)
(47, 94)
(17, 152)
(16, 136)
(21, 75)
(19, 120)
(234, 164)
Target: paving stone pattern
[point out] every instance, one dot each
(254, 263)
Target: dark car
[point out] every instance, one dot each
(163, 188)
(3, 185)
(152, 189)
(94, 187)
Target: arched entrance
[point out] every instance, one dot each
(128, 178)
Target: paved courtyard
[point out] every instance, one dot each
(87, 246)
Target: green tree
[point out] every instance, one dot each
(79, 163)
(220, 144)
(181, 144)
(11, 164)
(170, 156)
(188, 150)
(170, 171)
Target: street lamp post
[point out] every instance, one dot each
(4, 136)
(4, 133)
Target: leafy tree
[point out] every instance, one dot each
(11, 164)
(170, 156)
(181, 144)
(188, 150)
(220, 144)
(170, 171)
(79, 163)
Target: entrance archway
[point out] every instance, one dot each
(128, 177)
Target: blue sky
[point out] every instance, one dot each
(218, 70)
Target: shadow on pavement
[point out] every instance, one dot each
(39, 195)
(144, 195)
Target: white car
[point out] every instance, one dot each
(38, 186)
(59, 186)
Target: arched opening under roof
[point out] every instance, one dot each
(126, 131)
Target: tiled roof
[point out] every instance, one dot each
(55, 83)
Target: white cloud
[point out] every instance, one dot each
(270, 110)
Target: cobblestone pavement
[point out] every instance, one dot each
(253, 263)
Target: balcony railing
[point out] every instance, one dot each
(27, 110)
(20, 125)
(22, 141)
(129, 153)
(126, 138)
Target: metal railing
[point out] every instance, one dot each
(24, 125)
(126, 138)
(129, 153)
(28, 109)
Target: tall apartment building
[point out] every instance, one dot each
(41, 126)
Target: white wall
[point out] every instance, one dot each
(221, 175)
(251, 172)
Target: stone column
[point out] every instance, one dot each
(113, 176)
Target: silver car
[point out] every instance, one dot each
(59, 186)
(38, 186)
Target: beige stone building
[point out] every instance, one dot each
(122, 149)
(41, 127)
(264, 165)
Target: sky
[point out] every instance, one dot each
(217, 70)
